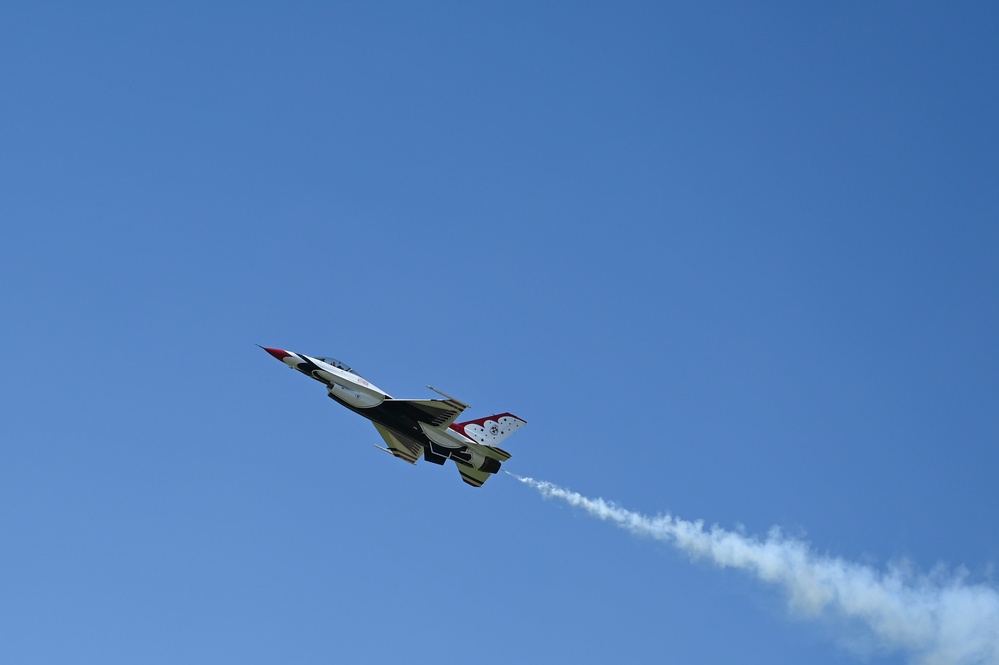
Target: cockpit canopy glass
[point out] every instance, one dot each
(336, 363)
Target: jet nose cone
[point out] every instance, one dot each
(277, 353)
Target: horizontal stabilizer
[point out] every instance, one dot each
(473, 477)
(498, 453)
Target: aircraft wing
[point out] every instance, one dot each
(402, 447)
(434, 412)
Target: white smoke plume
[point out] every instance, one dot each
(937, 619)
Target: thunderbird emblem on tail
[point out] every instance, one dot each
(414, 427)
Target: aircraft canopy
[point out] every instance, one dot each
(336, 363)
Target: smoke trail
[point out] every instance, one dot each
(935, 618)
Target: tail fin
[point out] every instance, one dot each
(491, 430)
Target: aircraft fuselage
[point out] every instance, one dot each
(414, 427)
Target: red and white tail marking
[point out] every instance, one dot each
(489, 431)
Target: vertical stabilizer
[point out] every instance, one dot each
(491, 430)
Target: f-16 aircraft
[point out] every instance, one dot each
(414, 427)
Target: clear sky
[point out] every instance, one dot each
(738, 263)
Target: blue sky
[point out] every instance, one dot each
(736, 263)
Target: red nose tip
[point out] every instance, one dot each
(277, 353)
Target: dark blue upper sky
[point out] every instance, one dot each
(736, 262)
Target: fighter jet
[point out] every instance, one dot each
(414, 427)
